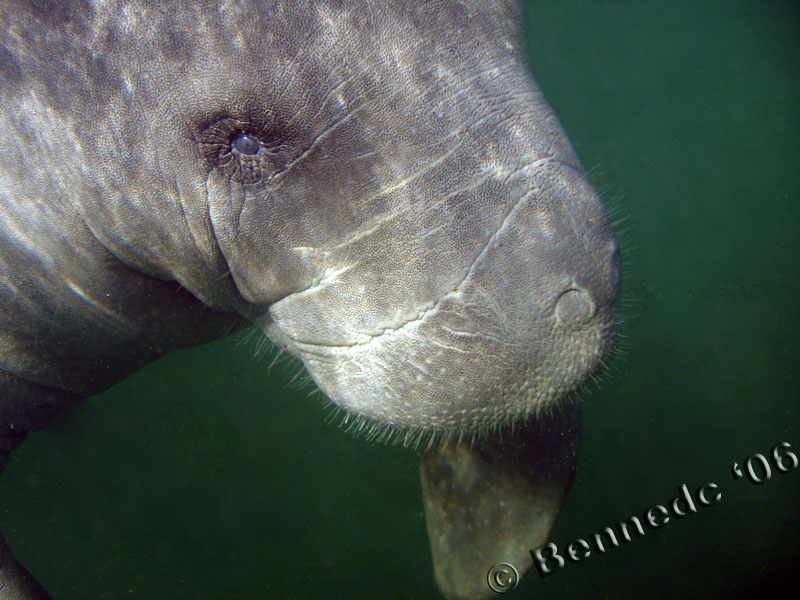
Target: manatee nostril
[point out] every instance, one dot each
(574, 308)
(246, 144)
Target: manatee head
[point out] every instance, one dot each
(382, 189)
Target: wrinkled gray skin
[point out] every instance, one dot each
(380, 187)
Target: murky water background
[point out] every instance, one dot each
(204, 476)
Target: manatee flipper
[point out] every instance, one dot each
(15, 582)
(24, 407)
(494, 501)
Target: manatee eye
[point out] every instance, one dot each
(246, 144)
(248, 150)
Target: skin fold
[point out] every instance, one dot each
(379, 187)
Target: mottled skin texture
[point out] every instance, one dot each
(404, 213)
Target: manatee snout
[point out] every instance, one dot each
(533, 315)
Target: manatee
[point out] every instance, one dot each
(379, 187)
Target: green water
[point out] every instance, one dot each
(205, 476)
